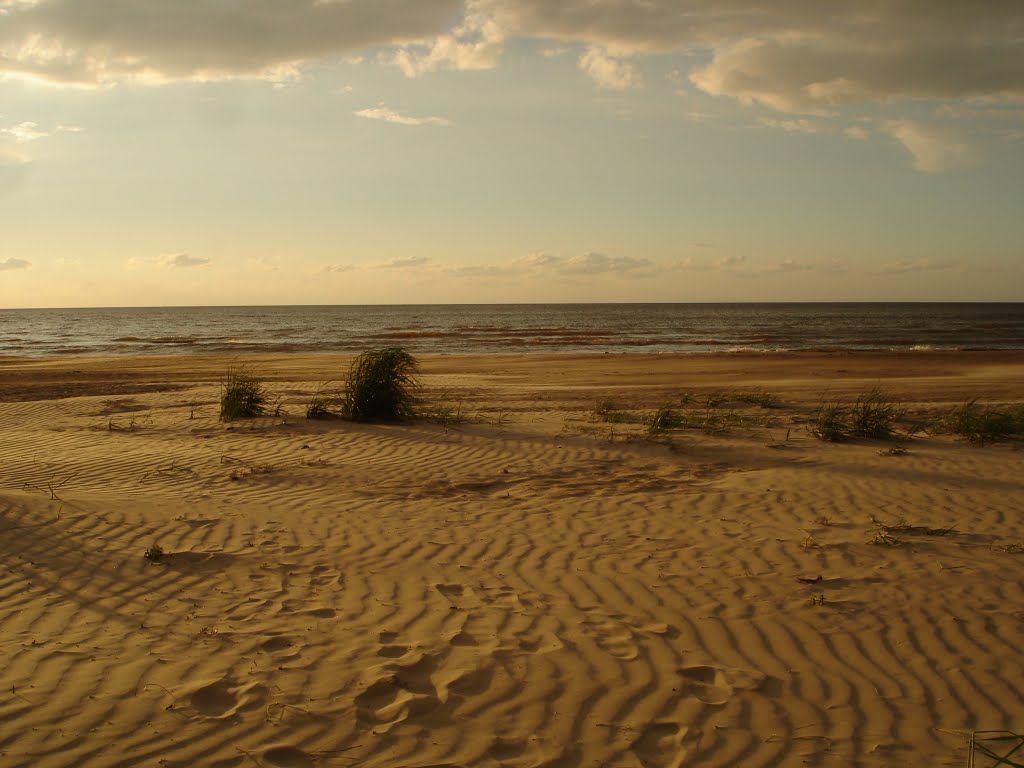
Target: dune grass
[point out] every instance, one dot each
(979, 424)
(873, 414)
(243, 395)
(381, 386)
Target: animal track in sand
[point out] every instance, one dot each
(450, 590)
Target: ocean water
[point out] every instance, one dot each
(693, 328)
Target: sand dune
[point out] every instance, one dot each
(532, 588)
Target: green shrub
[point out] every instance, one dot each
(242, 395)
(381, 386)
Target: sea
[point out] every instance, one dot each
(520, 328)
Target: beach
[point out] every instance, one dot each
(529, 577)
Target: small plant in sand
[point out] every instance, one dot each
(986, 425)
(816, 600)
(242, 395)
(320, 405)
(609, 412)
(830, 422)
(381, 386)
(664, 418)
(759, 397)
(874, 414)
(154, 554)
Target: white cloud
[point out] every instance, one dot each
(857, 132)
(933, 150)
(609, 72)
(28, 131)
(391, 116)
(11, 264)
(182, 261)
(334, 269)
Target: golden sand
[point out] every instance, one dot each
(529, 587)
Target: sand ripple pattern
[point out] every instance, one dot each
(384, 596)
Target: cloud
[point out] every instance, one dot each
(391, 116)
(920, 265)
(598, 263)
(405, 262)
(590, 263)
(182, 261)
(800, 125)
(11, 264)
(476, 43)
(608, 72)
(27, 131)
(790, 55)
(933, 150)
(857, 132)
(106, 41)
(335, 269)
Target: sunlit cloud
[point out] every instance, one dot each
(609, 72)
(933, 150)
(391, 116)
(11, 264)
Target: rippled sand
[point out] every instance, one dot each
(531, 587)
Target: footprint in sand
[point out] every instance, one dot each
(711, 685)
(450, 590)
(660, 745)
(287, 757)
(393, 651)
(276, 644)
(614, 637)
(221, 699)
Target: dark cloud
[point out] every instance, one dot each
(792, 55)
(94, 41)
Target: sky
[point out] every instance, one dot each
(242, 152)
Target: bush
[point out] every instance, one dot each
(242, 395)
(381, 386)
